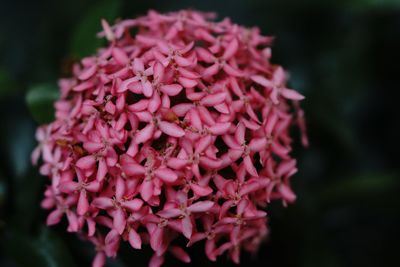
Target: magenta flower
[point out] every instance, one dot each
(182, 130)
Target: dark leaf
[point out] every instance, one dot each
(40, 100)
(44, 250)
(7, 85)
(362, 186)
(53, 249)
(84, 41)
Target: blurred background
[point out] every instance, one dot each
(341, 55)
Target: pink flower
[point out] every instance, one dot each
(181, 209)
(182, 130)
(118, 205)
(277, 86)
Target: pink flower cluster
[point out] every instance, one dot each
(177, 132)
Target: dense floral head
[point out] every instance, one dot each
(177, 132)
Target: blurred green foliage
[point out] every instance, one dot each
(40, 99)
(44, 249)
(341, 55)
(84, 41)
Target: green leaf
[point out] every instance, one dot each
(26, 206)
(17, 142)
(368, 4)
(40, 100)
(44, 250)
(361, 186)
(3, 194)
(84, 41)
(7, 85)
(23, 183)
(53, 249)
(20, 248)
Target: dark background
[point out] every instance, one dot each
(342, 55)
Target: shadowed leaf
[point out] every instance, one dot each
(44, 250)
(84, 41)
(40, 100)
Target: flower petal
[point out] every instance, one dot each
(187, 227)
(86, 162)
(232, 71)
(88, 72)
(262, 80)
(103, 203)
(176, 163)
(171, 129)
(201, 191)
(167, 175)
(291, 94)
(84, 86)
(156, 260)
(146, 190)
(83, 203)
(187, 83)
(139, 106)
(138, 65)
(180, 254)
(111, 243)
(134, 239)
(158, 70)
(68, 187)
(54, 217)
(133, 169)
(201, 206)
(220, 128)
(156, 238)
(181, 109)
(240, 133)
(120, 56)
(214, 99)
(209, 163)
(203, 144)
(102, 170)
(231, 49)
(169, 213)
(287, 193)
(211, 71)
(145, 134)
(132, 205)
(147, 88)
(171, 89)
(249, 166)
(99, 260)
(124, 85)
(119, 221)
(257, 144)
